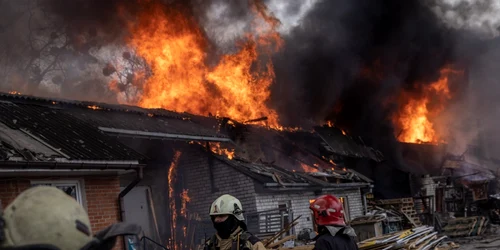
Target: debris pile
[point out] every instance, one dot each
(465, 227)
(419, 238)
(403, 206)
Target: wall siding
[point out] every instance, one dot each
(300, 204)
(100, 195)
(227, 180)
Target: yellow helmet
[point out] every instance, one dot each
(45, 215)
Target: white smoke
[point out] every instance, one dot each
(224, 26)
(479, 16)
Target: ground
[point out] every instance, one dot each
(485, 243)
(488, 241)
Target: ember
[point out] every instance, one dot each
(94, 107)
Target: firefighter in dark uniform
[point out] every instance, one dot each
(227, 216)
(329, 223)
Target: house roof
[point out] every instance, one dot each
(467, 171)
(132, 120)
(38, 133)
(271, 175)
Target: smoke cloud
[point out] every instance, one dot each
(343, 60)
(349, 61)
(478, 16)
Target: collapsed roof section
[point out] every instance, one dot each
(335, 141)
(273, 177)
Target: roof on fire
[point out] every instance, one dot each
(271, 176)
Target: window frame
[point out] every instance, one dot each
(79, 186)
(345, 205)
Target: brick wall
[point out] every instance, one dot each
(300, 204)
(100, 196)
(102, 201)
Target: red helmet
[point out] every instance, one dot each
(328, 210)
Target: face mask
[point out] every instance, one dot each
(225, 228)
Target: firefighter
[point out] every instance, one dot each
(329, 223)
(226, 213)
(45, 217)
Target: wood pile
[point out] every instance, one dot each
(273, 242)
(404, 205)
(419, 238)
(464, 227)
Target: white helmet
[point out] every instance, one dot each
(227, 204)
(46, 215)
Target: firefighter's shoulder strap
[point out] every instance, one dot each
(246, 241)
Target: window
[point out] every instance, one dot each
(71, 187)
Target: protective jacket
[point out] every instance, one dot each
(239, 240)
(336, 238)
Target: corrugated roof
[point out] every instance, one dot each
(68, 136)
(127, 117)
(144, 122)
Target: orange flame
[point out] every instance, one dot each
(174, 47)
(94, 107)
(414, 120)
(185, 199)
(217, 149)
(330, 124)
(171, 196)
(308, 168)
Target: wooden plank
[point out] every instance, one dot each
(278, 243)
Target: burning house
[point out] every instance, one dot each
(390, 71)
(183, 163)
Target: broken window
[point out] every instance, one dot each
(70, 187)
